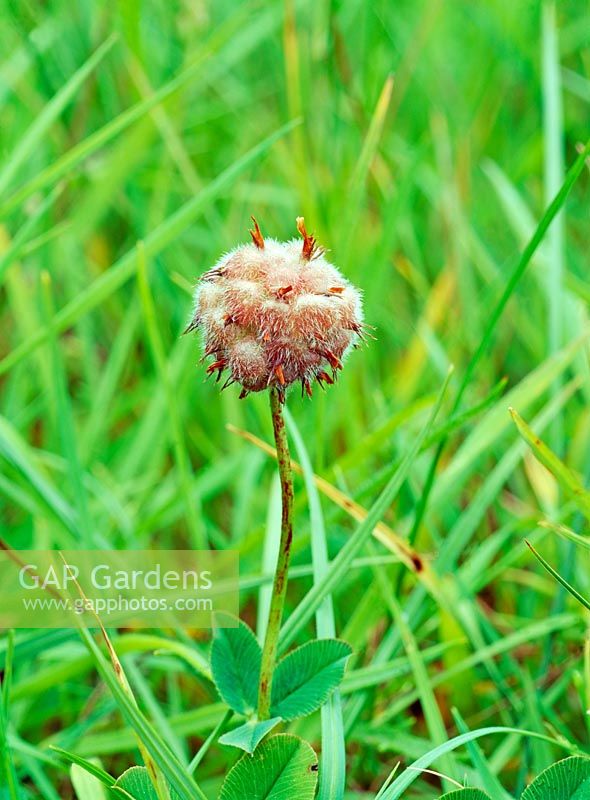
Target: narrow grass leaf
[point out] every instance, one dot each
(177, 775)
(91, 767)
(564, 476)
(66, 424)
(33, 137)
(204, 748)
(574, 593)
(411, 773)
(550, 213)
(21, 456)
(531, 633)
(21, 239)
(7, 770)
(166, 232)
(332, 775)
(382, 532)
(270, 554)
(460, 534)
(173, 416)
(486, 777)
(56, 674)
(143, 690)
(213, 59)
(432, 714)
(365, 159)
(123, 739)
(375, 673)
(553, 145)
(120, 678)
(488, 430)
(566, 533)
(341, 563)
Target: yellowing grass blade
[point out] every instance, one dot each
(567, 479)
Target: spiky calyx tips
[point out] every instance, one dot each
(273, 313)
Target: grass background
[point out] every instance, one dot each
(423, 142)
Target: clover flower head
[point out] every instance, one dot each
(273, 313)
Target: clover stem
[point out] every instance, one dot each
(279, 588)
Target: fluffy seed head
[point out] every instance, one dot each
(273, 313)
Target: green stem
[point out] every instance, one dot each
(279, 588)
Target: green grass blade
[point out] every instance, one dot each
(120, 353)
(77, 154)
(332, 777)
(496, 422)
(566, 533)
(177, 437)
(338, 568)
(432, 715)
(52, 110)
(488, 779)
(66, 424)
(84, 763)
(242, 39)
(574, 592)
(553, 141)
(412, 773)
(47, 677)
(7, 771)
(564, 476)
(21, 239)
(204, 748)
(18, 453)
(143, 690)
(154, 243)
(551, 212)
(176, 774)
(460, 533)
(530, 633)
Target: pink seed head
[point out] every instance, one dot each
(273, 313)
